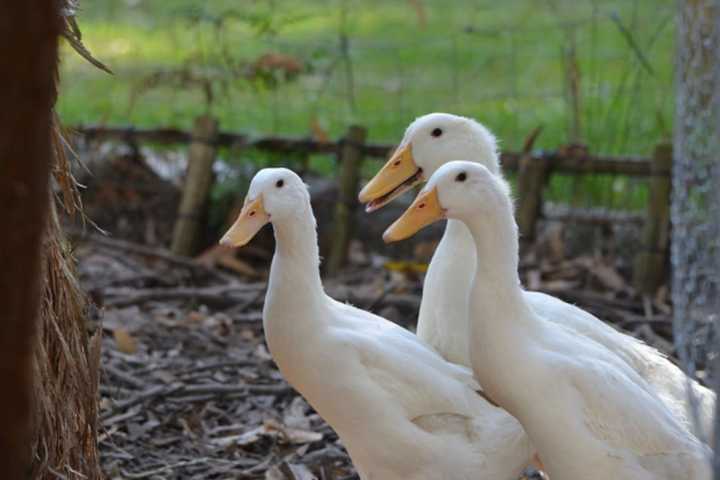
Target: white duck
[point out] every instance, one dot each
(402, 411)
(430, 142)
(589, 413)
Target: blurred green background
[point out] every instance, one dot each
(597, 72)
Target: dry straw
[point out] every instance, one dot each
(67, 356)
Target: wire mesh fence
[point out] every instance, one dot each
(595, 72)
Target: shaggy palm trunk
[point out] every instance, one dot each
(48, 367)
(66, 366)
(29, 32)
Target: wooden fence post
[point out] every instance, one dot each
(350, 157)
(650, 264)
(532, 172)
(198, 182)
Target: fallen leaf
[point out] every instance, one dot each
(262, 352)
(274, 473)
(294, 415)
(105, 404)
(270, 428)
(242, 440)
(164, 376)
(292, 435)
(129, 319)
(220, 324)
(406, 267)
(608, 277)
(126, 343)
(195, 317)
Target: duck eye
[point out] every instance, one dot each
(280, 183)
(461, 177)
(437, 132)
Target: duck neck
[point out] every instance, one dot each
(443, 316)
(295, 272)
(498, 305)
(295, 304)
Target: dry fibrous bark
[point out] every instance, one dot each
(67, 359)
(67, 369)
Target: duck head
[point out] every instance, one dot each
(459, 190)
(275, 194)
(429, 142)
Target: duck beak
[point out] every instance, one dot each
(424, 210)
(251, 219)
(398, 175)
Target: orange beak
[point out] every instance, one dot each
(251, 219)
(424, 210)
(397, 176)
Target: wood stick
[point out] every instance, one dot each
(196, 190)
(150, 252)
(531, 182)
(650, 264)
(350, 160)
(220, 297)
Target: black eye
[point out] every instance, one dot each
(461, 177)
(280, 183)
(437, 132)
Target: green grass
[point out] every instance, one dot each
(508, 72)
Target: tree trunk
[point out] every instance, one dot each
(695, 209)
(29, 32)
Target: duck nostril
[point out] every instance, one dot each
(252, 214)
(422, 205)
(396, 163)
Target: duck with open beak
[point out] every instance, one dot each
(251, 219)
(396, 177)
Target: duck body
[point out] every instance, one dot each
(430, 142)
(589, 414)
(587, 411)
(399, 418)
(401, 410)
(444, 324)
